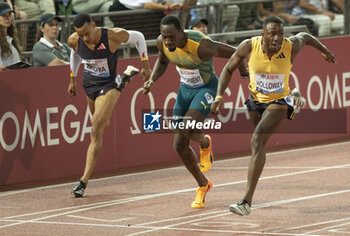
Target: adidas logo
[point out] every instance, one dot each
(101, 47)
(281, 56)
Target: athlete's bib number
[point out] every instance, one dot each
(191, 78)
(269, 83)
(97, 67)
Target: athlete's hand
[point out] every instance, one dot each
(146, 71)
(299, 101)
(216, 106)
(72, 88)
(147, 86)
(328, 56)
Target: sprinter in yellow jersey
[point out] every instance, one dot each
(192, 53)
(270, 58)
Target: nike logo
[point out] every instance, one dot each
(205, 107)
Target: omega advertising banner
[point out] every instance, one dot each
(44, 133)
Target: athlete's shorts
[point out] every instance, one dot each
(93, 90)
(199, 99)
(253, 105)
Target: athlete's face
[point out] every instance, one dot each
(171, 36)
(273, 36)
(86, 32)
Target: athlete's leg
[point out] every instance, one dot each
(269, 123)
(182, 147)
(103, 109)
(254, 117)
(91, 104)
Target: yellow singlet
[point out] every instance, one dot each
(269, 79)
(193, 71)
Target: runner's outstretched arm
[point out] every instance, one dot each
(159, 67)
(235, 61)
(302, 39)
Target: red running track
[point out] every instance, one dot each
(304, 191)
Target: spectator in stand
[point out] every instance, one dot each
(160, 5)
(248, 17)
(64, 7)
(318, 11)
(48, 51)
(278, 8)
(10, 49)
(200, 25)
(91, 6)
(36, 8)
(19, 15)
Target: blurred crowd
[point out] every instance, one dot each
(322, 18)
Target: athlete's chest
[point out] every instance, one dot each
(184, 58)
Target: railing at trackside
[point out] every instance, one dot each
(247, 33)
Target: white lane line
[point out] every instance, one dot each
(219, 213)
(272, 167)
(287, 174)
(327, 228)
(311, 225)
(178, 229)
(181, 218)
(101, 220)
(7, 193)
(132, 199)
(269, 204)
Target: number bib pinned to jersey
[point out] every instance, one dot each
(97, 67)
(269, 83)
(191, 78)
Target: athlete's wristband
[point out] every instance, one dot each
(72, 75)
(144, 57)
(218, 97)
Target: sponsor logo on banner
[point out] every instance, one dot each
(151, 121)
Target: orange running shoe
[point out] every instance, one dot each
(199, 200)
(206, 158)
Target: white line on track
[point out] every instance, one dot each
(170, 227)
(173, 228)
(327, 228)
(101, 220)
(311, 225)
(259, 206)
(167, 169)
(132, 199)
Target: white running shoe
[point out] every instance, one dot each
(242, 208)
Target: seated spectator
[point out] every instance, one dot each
(200, 25)
(19, 15)
(278, 8)
(48, 51)
(160, 5)
(93, 6)
(10, 49)
(64, 7)
(36, 8)
(248, 17)
(317, 10)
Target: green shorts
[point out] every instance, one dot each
(199, 99)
